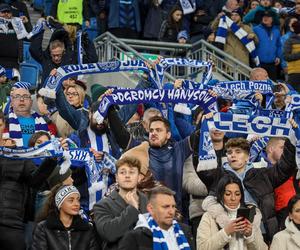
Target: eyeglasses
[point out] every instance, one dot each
(72, 94)
(20, 97)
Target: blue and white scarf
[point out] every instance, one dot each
(244, 124)
(2, 71)
(98, 181)
(99, 142)
(79, 47)
(129, 96)
(156, 75)
(225, 24)
(53, 83)
(166, 63)
(15, 131)
(20, 29)
(257, 146)
(188, 6)
(159, 242)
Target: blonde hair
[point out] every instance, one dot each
(79, 90)
(71, 29)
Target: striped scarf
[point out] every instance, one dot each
(226, 23)
(15, 131)
(99, 142)
(159, 242)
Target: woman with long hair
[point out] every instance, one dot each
(289, 238)
(172, 26)
(239, 233)
(62, 228)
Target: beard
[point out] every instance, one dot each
(99, 129)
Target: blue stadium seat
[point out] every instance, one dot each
(30, 73)
(27, 58)
(26, 53)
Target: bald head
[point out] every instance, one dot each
(259, 74)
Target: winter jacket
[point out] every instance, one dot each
(210, 236)
(51, 234)
(288, 239)
(114, 14)
(233, 45)
(10, 49)
(254, 17)
(291, 54)
(269, 45)
(19, 8)
(16, 176)
(114, 217)
(260, 183)
(168, 33)
(141, 237)
(44, 57)
(192, 184)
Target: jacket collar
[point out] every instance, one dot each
(53, 222)
(293, 231)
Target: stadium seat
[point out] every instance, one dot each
(30, 73)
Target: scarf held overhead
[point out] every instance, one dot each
(129, 96)
(226, 23)
(79, 157)
(244, 124)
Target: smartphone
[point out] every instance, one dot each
(247, 213)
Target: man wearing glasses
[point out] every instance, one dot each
(22, 121)
(57, 53)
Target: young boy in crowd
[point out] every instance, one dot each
(259, 184)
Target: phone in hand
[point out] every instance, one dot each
(247, 213)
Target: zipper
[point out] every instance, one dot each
(69, 236)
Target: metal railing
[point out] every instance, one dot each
(110, 47)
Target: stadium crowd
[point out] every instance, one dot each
(135, 180)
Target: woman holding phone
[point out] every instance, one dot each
(239, 233)
(289, 238)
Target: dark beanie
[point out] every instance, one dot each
(97, 90)
(57, 178)
(238, 11)
(296, 27)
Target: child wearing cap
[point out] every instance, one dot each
(63, 228)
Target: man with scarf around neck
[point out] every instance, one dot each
(16, 177)
(259, 184)
(269, 46)
(118, 213)
(173, 235)
(23, 122)
(166, 156)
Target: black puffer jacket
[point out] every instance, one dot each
(260, 182)
(44, 57)
(16, 176)
(51, 234)
(142, 239)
